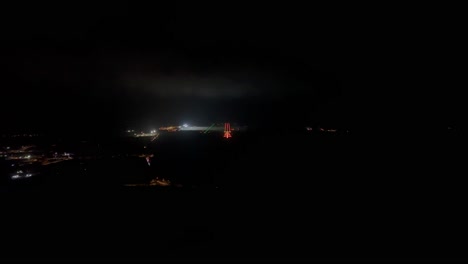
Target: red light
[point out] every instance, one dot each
(227, 130)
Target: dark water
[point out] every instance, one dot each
(279, 196)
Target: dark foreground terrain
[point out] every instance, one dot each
(276, 196)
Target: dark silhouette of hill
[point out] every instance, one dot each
(279, 196)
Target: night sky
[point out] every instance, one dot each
(118, 66)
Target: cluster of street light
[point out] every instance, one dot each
(20, 175)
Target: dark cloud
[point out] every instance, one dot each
(192, 86)
(119, 63)
(184, 77)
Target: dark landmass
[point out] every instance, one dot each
(258, 196)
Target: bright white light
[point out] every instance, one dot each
(14, 177)
(185, 125)
(28, 175)
(20, 171)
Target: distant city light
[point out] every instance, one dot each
(28, 175)
(14, 177)
(185, 125)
